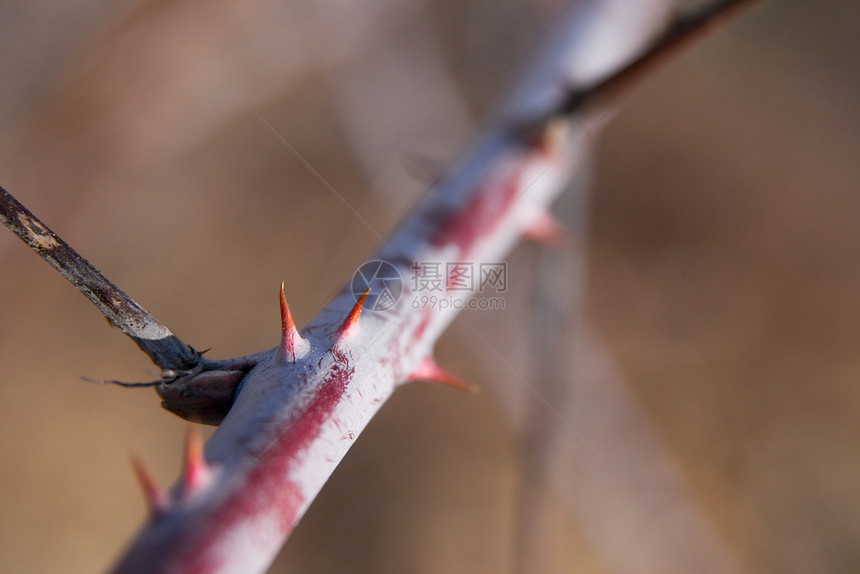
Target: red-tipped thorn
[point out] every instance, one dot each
(289, 334)
(429, 370)
(352, 318)
(547, 230)
(156, 498)
(196, 472)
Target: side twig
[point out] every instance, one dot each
(164, 348)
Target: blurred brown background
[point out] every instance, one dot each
(723, 275)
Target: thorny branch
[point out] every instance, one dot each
(302, 403)
(172, 354)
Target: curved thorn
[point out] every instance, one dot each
(156, 498)
(352, 318)
(429, 370)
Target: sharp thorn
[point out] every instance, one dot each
(156, 498)
(429, 370)
(289, 334)
(196, 472)
(352, 318)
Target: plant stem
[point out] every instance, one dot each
(164, 348)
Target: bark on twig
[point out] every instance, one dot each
(164, 348)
